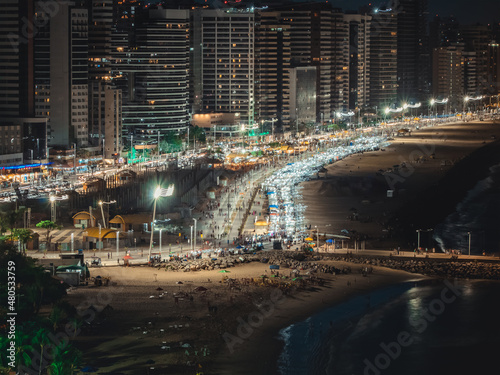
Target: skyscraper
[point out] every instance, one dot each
(448, 75)
(272, 69)
(61, 72)
(22, 136)
(475, 38)
(413, 57)
(383, 57)
(16, 58)
(493, 68)
(358, 94)
(223, 57)
(156, 68)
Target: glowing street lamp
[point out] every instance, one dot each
(159, 192)
(102, 212)
(53, 208)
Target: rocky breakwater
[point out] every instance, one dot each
(450, 268)
(286, 260)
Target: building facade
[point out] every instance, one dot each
(223, 62)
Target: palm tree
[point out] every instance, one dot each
(23, 236)
(49, 226)
(9, 220)
(40, 338)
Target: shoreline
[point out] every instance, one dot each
(265, 343)
(353, 193)
(257, 353)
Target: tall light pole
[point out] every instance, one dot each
(418, 235)
(53, 213)
(194, 243)
(159, 145)
(117, 243)
(53, 207)
(191, 237)
(159, 192)
(100, 241)
(74, 157)
(160, 243)
(469, 233)
(102, 211)
(317, 238)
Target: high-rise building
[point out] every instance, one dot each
(223, 62)
(272, 69)
(383, 57)
(413, 57)
(16, 58)
(475, 38)
(99, 35)
(61, 73)
(23, 137)
(493, 68)
(470, 73)
(444, 32)
(358, 94)
(105, 118)
(154, 71)
(448, 75)
(318, 38)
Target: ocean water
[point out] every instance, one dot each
(478, 214)
(410, 329)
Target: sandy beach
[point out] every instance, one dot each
(145, 329)
(427, 170)
(153, 321)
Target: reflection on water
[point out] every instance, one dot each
(478, 214)
(404, 329)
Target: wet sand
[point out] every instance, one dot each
(145, 329)
(144, 333)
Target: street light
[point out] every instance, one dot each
(117, 243)
(53, 207)
(418, 235)
(159, 192)
(194, 243)
(99, 242)
(469, 233)
(191, 237)
(317, 238)
(102, 211)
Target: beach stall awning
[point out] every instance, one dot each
(261, 223)
(82, 215)
(105, 233)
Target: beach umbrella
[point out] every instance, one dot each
(179, 282)
(239, 247)
(273, 206)
(159, 289)
(200, 289)
(126, 257)
(271, 192)
(224, 271)
(309, 239)
(329, 240)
